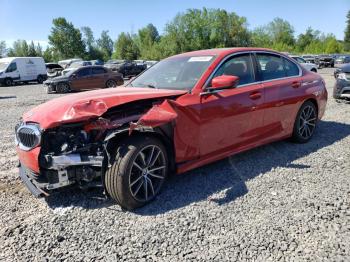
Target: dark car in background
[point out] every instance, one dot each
(84, 78)
(309, 58)
(325, 61)
(342, 85)
(342, 59)
(127, 68)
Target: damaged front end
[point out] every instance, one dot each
(78, 153)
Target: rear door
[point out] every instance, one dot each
(281, 79)
(98, 77)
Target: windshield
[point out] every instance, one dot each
(180, 72)
(3, 65)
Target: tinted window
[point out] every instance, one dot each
(98, 71)
(83, 72)
(240, 66)
(12, 67)
(291, 69)
(271, 66)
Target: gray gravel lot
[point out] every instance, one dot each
(283, 201)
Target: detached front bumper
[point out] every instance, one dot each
(29, 180)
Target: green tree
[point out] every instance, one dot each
(65, 39)
(332, 46)
(3, 49)
(105, 45)
(39, 50)
(48, 55)
(19, 48)
(306, 39)
(91, 47)
(31, 49)
(347, 34)
(261, 38)
(146, 39)
(125, 47)
(281, 31)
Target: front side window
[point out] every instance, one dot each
(83, 72)
(240, 66)
(12, 67)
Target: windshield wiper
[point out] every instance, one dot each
(151, 86)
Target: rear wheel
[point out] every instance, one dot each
(138, 172)
(111, 83)
(63, 88)
(314, 70)
(305, 123)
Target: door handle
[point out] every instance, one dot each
(255, 96)
(296, 84)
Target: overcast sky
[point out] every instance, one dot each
(32, 20)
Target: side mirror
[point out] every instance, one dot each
(224, 82)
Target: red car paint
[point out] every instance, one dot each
(207, 127)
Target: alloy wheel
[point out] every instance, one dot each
(307, 122)
(147, 173)
(111, 83)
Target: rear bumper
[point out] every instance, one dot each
(27, 177)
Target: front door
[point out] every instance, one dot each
(231, 119)
(81, 79)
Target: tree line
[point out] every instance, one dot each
(191, 30)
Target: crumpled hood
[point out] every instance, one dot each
(85, 105)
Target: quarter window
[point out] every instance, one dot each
(240, 66)
(290, 68)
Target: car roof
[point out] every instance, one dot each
(223, 51)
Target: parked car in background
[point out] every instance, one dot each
(76, 65)
(150, 63)
(342, 59)
(184, 112)
(113, 63)
(84, 78)
(325, 61)
(97, 62)
(66, 63)
(341, 88)
(309, 58)
(129, 69)
(53, 69)
(309, 66)
(22, 69)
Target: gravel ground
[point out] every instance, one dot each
(282, 201)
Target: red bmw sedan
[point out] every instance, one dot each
(184, 112)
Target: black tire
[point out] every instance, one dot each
(63, 88)
(314, 70)
(111, 83)
(40, 79)
(305, 123)
(126, 177)
(8, 82)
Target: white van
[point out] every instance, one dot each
(22, 69)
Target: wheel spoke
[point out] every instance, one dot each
(143, 158)
(156, 168)
(136, 180)
(150, 156)
(137, 165)
(138, 188)
(154, 159)
(151, 185)
(145, 189)
(156, 176)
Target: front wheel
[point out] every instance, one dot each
(8, 81)
(40, 79)
(111, 83)
(63, 88)
(305, 123)
(138, 172)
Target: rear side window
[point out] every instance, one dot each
(12, 67)
(83, 72)
(291, 68)
(271, 66)
(98, 71)
(240, 66)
